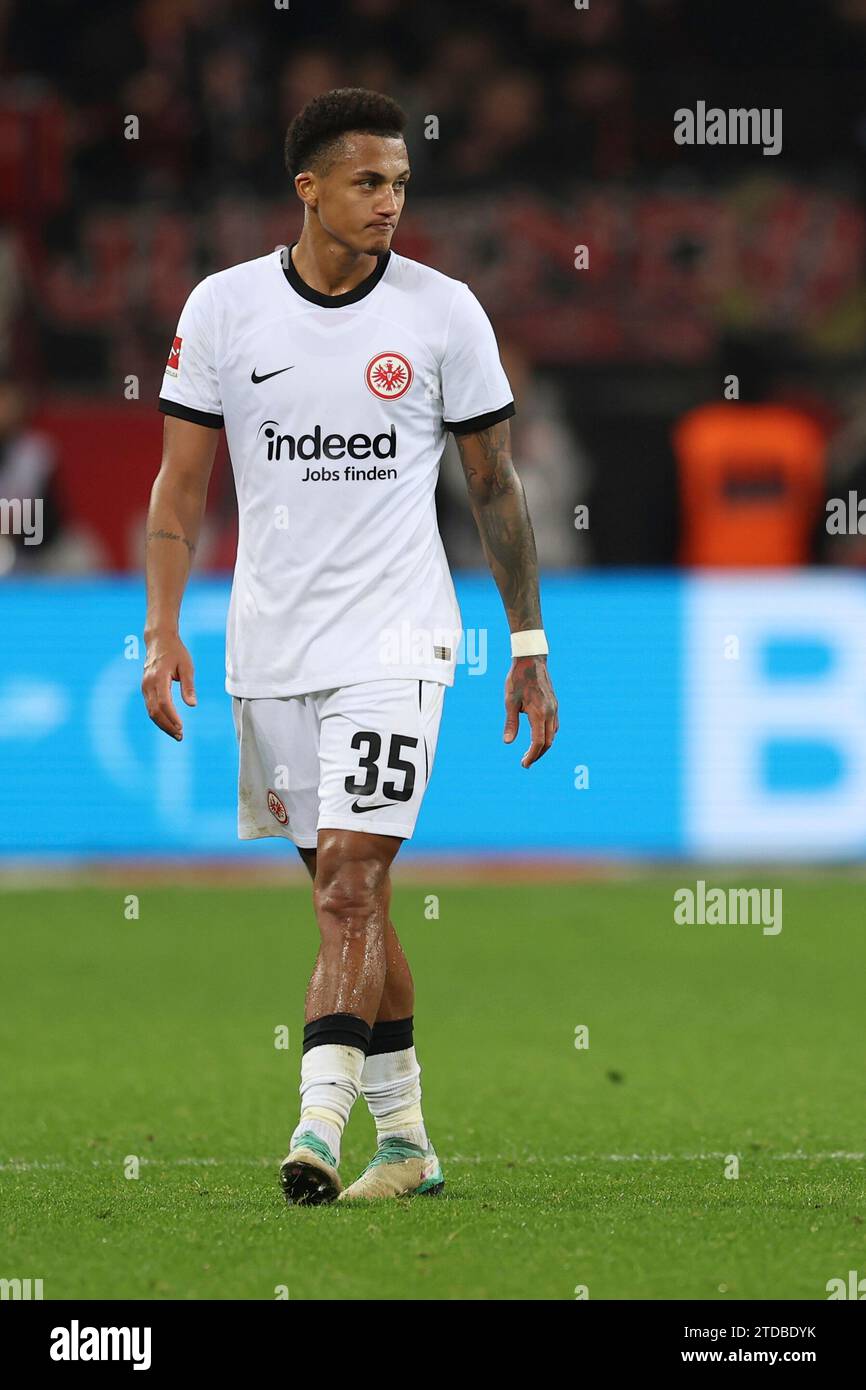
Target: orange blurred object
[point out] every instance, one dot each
(752, 484)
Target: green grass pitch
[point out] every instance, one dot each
(601, 1167)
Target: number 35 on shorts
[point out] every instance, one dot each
(390, 766)
(355, 758)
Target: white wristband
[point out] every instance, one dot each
(530, 643)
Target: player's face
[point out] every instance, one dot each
(361, 197)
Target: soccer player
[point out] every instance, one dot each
(336, 368)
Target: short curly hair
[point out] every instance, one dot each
(314, 134)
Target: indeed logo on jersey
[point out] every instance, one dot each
(330, 446)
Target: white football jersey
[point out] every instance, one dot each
(335, 410)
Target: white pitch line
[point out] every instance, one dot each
(645, 1158)
(38, 1165)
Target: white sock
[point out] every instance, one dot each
(330, 1085)
(392, 1089)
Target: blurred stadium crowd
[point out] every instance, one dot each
(554, 129)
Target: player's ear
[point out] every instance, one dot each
(305, 187)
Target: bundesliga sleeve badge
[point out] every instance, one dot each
(172, 366)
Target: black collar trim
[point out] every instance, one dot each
(334, 301)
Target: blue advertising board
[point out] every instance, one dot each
(717, 716)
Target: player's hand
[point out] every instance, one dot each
(167, 660)
(528, 689)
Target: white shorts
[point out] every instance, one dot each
(356, 758)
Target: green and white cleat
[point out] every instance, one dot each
(308, 1175)
(398, 1169)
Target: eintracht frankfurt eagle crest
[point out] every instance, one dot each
(389, 375)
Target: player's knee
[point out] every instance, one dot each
(350, 891)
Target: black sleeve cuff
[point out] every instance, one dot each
(480, 422)
(185, 412)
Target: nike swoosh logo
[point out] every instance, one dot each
(358, 809)
(267, 376)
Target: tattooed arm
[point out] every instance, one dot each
(173, 524)
(499, 507)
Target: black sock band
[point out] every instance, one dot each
(395, 1035)
(346, 1030)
